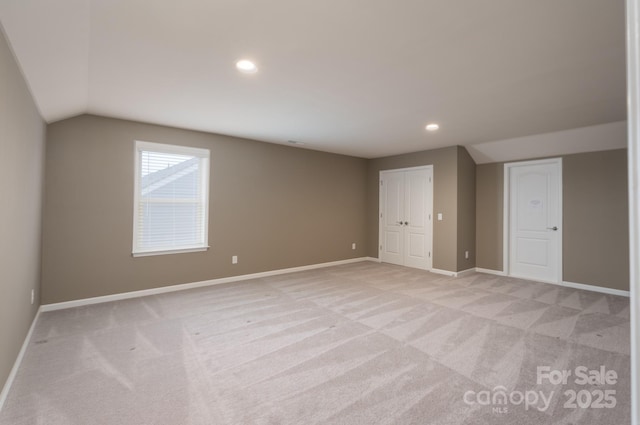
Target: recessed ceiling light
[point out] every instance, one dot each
(246, 66)
(432, 127)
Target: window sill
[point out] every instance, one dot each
(169, 251)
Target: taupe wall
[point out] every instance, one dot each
(22, 137)
(489, 201)
(277, 207)
(445, 200)
(595, 226)
(273, 206)
(466, 210)
(596, 219)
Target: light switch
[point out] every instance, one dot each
(439, 216)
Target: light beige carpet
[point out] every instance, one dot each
(364, 343)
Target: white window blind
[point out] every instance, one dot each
(171, 199)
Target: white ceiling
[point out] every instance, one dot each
(359, 77)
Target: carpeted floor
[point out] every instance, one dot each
(363, 343)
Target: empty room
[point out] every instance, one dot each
(293, 212)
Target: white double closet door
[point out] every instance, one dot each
(406, 214)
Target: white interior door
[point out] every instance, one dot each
(535, 219)
(417, 222)
(406, 198)
(392, 217)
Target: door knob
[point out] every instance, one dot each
(406, 223)
(554, 228)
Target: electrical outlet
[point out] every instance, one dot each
(234, 259)
(33, 296)
(466, 255)
(439, 216)
(353, 245)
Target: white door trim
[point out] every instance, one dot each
(429, 199)
(421, 167)
(633, 102)
(506, 248)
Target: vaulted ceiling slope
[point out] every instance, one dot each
(358, 77)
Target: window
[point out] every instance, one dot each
(171, 200)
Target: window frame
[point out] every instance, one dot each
(204, 155)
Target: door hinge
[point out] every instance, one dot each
(429, 216)
(381, 182)
(380, 215)
(429, 179)
(380, 247)
(429, 254)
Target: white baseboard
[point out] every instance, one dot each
(490, 271)
(185, 286)
(453, 274)
(444, 272)
(465, 272)
(595, 288)
(16, 364)
(592, 288)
